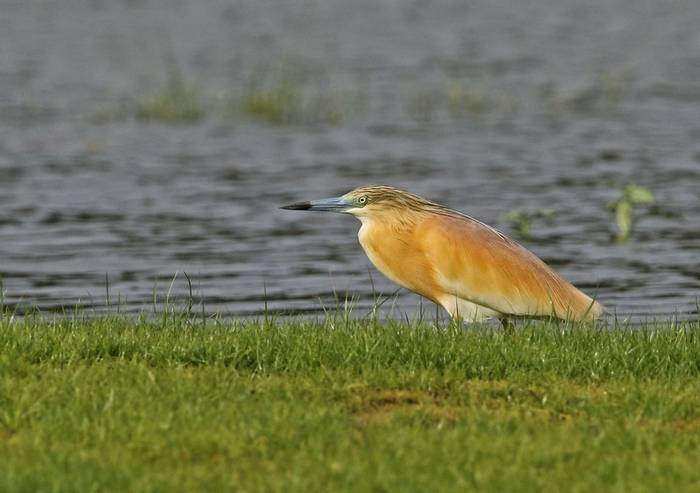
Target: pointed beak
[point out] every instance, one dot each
(333, 204)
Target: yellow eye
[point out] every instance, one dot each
(362, 200)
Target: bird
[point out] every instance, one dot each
(472, 270)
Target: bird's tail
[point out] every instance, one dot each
(591, 311)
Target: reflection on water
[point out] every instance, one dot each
(481, 106)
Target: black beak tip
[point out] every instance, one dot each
(301, 206)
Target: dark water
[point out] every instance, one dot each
(580, 99)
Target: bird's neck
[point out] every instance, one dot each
(390, 219)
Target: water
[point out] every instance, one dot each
(582, 98)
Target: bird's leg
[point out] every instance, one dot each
(508, 325)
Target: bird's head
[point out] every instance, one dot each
(364, 202)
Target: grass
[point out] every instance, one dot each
(286, 101)
(458, 100)
(280, 104)
(294, 93)
(174, 404)
(177, 102)
(604, 94)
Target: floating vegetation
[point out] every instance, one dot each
(458, 100)
(286, 103)
(522, 219)
(623, 209)
(604, 94)
(423, 105)
(177, 102)
(612, 87)
(330, 108)
(285, 99)
(461, 98)
(281, 103)
(114, 112)
(290, 96)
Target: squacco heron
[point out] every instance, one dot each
(469, 268)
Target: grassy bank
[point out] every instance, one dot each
(171, 405)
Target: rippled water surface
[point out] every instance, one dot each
(485, 106)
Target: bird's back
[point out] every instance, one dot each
(461, 263)
(474, 262)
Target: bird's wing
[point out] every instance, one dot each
(477, 263)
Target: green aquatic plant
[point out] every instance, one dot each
(461, 98)
(623, 209)
(287, 103)
(280, 103)
(522, 219)
(604, 93)
(423, 105)
(177, 102)
(611, 89)
(112, 112)
(287, 98)
(458, 100)
(329, 107)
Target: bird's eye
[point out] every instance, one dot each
(362, 200)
